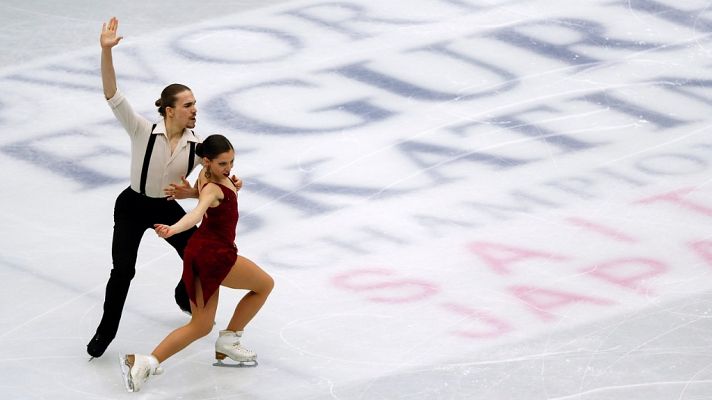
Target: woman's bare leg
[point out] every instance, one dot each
(247, 275)
(201, 323)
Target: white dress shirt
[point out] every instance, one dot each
(164, 168)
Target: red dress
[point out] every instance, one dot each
(211, 251)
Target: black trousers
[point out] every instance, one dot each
(133, 215)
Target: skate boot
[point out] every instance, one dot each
(136, 369)
(228, 345)
(98, 344)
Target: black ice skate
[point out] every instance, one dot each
(98, 344)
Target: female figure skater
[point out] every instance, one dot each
(210, 260)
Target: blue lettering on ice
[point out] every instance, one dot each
(299, 199)
(63, 166)
(222, 109)
(666, 164)
(358, 14)
(467, 5)
(73, 77)
(682, 85)
(565, 142)
(691, 19)
(308, 189)
(362, 73)
(592, 35)
(508, 79)
(430, 157)
(294, 44)
(605, 99)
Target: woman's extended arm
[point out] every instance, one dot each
(209, 195)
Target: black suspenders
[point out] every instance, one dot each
(191, 158)
(147, 159)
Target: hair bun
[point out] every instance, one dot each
(158, 103)
(213, 146)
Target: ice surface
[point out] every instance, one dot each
(457, 199)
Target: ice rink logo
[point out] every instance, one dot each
(498, 167)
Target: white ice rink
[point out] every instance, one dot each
(458, 199)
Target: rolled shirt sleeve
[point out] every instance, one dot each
(132, 122)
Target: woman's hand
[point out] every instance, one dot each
(237, 182)
(163, 231)
(108, 38)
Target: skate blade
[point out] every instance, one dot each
(237, 364)
(125, 373)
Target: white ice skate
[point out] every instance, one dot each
(136, 373)
(228, 345)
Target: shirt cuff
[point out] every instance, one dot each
(116, 100)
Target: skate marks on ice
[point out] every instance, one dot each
(660, 352)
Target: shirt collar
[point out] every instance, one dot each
(188, 134)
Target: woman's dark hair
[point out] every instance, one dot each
(213, 146)
(168, 97)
